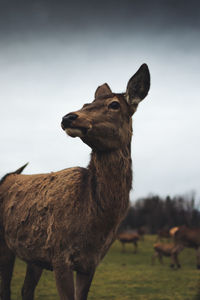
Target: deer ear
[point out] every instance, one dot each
(138, 87)
(103, 90)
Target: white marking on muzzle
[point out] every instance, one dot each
(74, 132)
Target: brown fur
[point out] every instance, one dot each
(128, 237)
(67, 220)
(189, 237)
(169, 250)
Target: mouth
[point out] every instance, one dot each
(75, 131)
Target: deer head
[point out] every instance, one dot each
(105, 124)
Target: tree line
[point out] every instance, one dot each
(154, 213)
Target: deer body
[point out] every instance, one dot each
(40, 233)
(66, 221)
(189, 237)
(128, 237)
(169, 250)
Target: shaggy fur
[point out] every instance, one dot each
(66, 221)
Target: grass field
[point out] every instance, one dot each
(128, 276)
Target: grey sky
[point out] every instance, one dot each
(52, 58)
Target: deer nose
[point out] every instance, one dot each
(67, 120)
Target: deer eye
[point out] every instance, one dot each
(114, 105)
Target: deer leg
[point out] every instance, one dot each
(175, 260)
(33, 274)
(135, 247)
(198, 257)
(64, 282)
(83, 282)
(7, 260)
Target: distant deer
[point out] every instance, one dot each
(169, 250)
(189, 237)
(66, 221)
(128, 237)
(163, 234)
(142, 231)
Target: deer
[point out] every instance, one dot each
(190, 238)
(142, 231)
(169, 250)
(66, 221)
(128, 237)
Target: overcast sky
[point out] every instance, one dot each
(54, 54)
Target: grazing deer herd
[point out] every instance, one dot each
(66, 221)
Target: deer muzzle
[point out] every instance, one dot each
(74, 125)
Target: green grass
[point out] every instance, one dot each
(128, 276)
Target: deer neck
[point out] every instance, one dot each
(111, 180)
